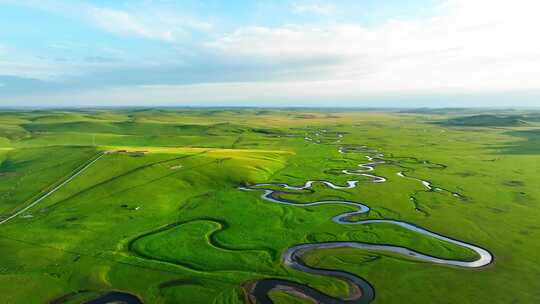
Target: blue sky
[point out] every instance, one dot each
(270, 53)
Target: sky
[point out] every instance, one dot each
(349, 53)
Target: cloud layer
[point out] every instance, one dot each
(464, 47)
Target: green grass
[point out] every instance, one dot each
(486, 120)
(26, 173)
(528, 142)
(171, 225)
(176, 245)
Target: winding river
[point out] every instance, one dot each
(361, 291)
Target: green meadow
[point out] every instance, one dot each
(159, 215)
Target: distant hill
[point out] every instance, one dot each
(486, 120)
(436, 111)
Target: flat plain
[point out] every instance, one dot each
(168, 206)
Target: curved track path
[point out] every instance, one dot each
(361, 291)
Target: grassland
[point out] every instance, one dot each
(160, 216)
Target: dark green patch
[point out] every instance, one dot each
(529, 142)
(485, 120)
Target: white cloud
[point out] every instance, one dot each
(30, 68)
(470, 45)
(135, 19)
(146, 22)
(314, 8)
(277, 94)
(480, 46)
(123, 23)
